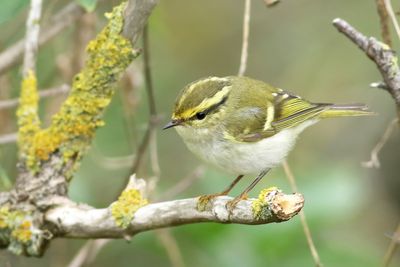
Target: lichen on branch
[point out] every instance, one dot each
(123, 210)
(27, 113)
(20, 233)
(260, 206)
(73, 127)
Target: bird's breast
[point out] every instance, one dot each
(240, 157)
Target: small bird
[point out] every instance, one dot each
(245, 126)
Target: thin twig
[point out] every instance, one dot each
(90, 249)
(110, 162)
(394, 243)
(183, 184)
(270, 3)
(306, 229)
(88, 252)
(392, 16)
(10, 103)
(171, 246)
(245, 43)
(153, 120)
(8, 138)
(12, 138)
(132, 81)
(155, 164)
(384, 58)
(147, 72)
(374, 161)
(384, 20)
(149, 136)
(141, 150)
(164, 235)
(32, 36)
(12, 55)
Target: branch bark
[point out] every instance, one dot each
(32, 36)
(134, 24)
(80, 221)
(384, 58)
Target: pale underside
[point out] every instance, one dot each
(241, 157)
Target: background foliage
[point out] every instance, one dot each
(351, 210)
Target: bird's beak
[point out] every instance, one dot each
(172, 123)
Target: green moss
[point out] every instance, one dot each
(260, 206)
(73, 127)
(123, 210)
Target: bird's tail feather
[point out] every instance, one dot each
(334, 110)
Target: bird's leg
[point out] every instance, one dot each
(203, 200)
(230, 205)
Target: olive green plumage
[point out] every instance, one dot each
(256, 110)
(245, 126)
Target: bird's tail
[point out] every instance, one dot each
(334, 110)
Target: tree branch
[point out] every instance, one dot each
(49, 157)
(8, 138)
(80, 221)
(32, 36)
(384, 20)
(62, 89)
(245, 42)
(12, 55)
(303, 219)
(134, 25)
(384, 58)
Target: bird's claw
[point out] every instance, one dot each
(205, 199)
(230, 205)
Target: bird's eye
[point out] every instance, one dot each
(200, 115)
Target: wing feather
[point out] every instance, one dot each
(289, 111)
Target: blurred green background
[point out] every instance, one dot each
(351, 210)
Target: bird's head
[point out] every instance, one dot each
(201, 104)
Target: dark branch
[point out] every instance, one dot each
(384, 58)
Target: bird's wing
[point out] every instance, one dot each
(292, 110)
(285, 111)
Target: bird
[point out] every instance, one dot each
(245, 126)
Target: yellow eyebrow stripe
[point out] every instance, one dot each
(206, 103)
(199, 83)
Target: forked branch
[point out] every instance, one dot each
(383, 56)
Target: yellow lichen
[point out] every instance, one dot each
(4, 214)
(19, 233)
(260, 205)
(15, 227)
(73, 127)
(394, 67)
(22, 232)
(27, 113)
(125, 207)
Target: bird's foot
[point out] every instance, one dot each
(230, 205)
(205, 199)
